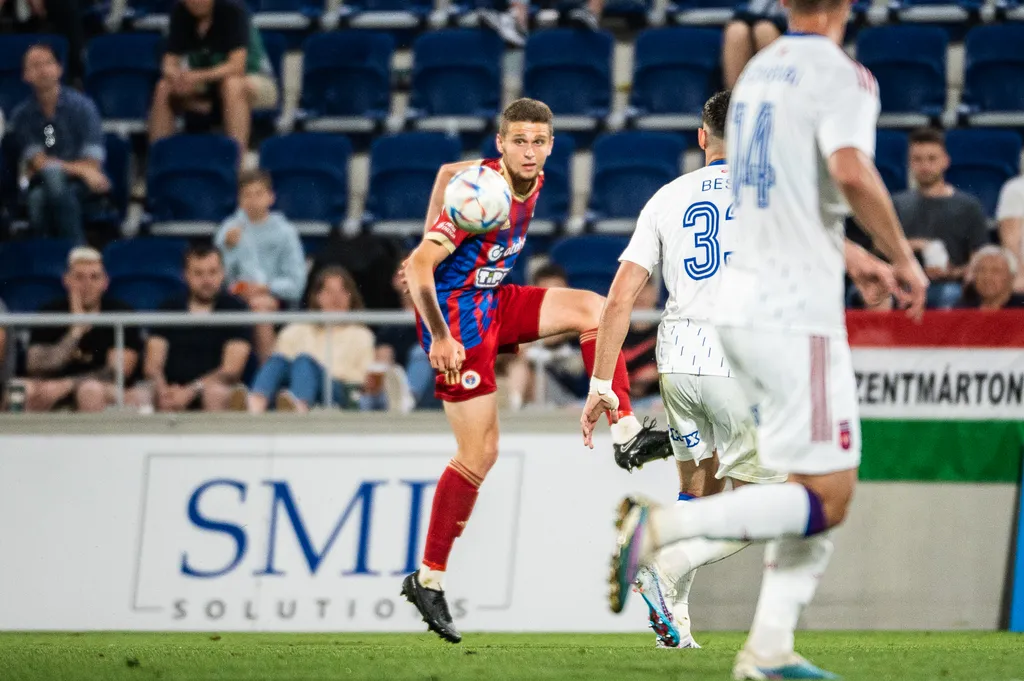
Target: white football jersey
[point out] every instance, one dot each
(797, 102)
(687, 226)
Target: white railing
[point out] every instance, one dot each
(120, 320)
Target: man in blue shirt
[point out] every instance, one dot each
(60, 138)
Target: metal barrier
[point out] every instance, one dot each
(120, 320)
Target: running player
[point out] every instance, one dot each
(466, 316)
(800, 138)
(688, 226)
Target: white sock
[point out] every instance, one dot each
(752, 512)
(625, 430)
(792, 569)
(431, 579)
(677, 564)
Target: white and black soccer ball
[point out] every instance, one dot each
(478, 200)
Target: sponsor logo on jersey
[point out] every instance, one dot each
(499, 252)
(446, 228)
(845, 438)
(470, 380)
(490, 277)
(689, 440)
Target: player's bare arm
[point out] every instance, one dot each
(612, 330)
(858, 179)
(446, 353)
(444, 175)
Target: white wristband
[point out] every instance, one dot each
(599, 386)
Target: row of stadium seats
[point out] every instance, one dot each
(408, 15)
(456, 81)
(191, 180)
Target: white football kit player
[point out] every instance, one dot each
(688, 226)
(780, 310)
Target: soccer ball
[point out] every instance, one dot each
(478, 200)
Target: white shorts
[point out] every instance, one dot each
(804, 396)
(709, 413)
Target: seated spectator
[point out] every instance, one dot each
(752, 28)
(943, 224)
(63, 17)
(565, 377)
(640, 347)
(226, 71)
(75, 366)
(990, 280)
(196, 367)
(262, 254)
(295, 373)
(1010, 214)
(59, 133)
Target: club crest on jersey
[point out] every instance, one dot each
(470, 380)
(845, 436)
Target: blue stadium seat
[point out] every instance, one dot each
(285, 15)
(993, 73)
(310, 173)
(386, 14)
(402, 172)
(118, 169)
(675, 70)
(702, 12)
(909, 63)
(981, 161)
(570, 70)
(145, 255)
(456, 80)
(555, 201)
(13, 89)
(121, 70)
(346, 81)
(936, 11)
(891, 159)
(629, 167)
(191, 183)
(32, 272)
(146, 292)
(591, 260)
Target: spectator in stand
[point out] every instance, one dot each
(63, 17)
(75, 366)
(227, 69)
(752, 28)
(990, 280)
(262, 254)
(295, 373)
(1010, 214)
(565, 378)
(640, 347)
(60, 137)
(196, 367)
(944, 225)
(513, 23)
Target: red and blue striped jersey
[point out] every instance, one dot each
(477, 263)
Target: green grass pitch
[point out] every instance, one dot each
(874, 656)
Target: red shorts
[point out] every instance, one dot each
(517, 320)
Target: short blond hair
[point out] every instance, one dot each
(84, 254)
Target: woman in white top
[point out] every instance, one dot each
(295, 372)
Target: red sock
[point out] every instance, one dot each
(620, 379)
(453, 503)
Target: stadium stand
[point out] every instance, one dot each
(981, 161)
(702, 12)
(346, 81)
(675, 71)
(891, 159)
(909, 63)
(285, 15)
(385, 14)
(144, 272)
(13, 90)
(32, 272)
(591, 260)
(310, 175)
(402, 170)
(121, 70)
(191, 184)
(570, 70)
(276, 45)
(993, 76)
(628, 168)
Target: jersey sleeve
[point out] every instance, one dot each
(445, 232)
(848, 113)
(644, 247)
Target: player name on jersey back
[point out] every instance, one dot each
(797, 102)
(687, 226)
